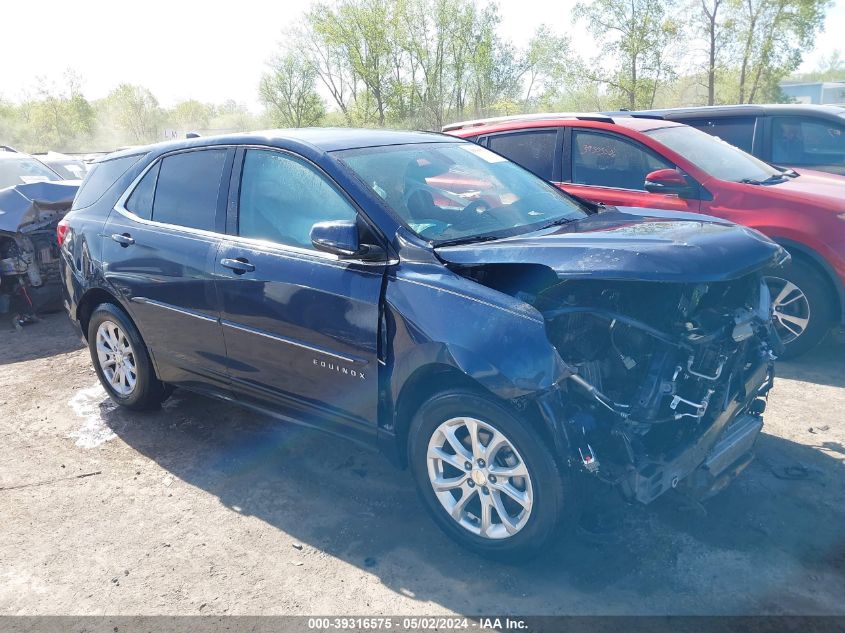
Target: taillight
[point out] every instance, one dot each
(61, 231)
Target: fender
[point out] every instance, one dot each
(492, 339)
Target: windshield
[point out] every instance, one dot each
(459, 191)
(24, 170)
(718, 158)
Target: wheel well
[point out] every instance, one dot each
(432, 379)
(89, 302)
(824, 275)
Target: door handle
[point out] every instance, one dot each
(124, 239)
(239, 266)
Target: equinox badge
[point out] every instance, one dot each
(341, 370)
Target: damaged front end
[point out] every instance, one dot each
(29, 251)
(666, 327)
(670, 381)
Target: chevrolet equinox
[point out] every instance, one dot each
(421, 294)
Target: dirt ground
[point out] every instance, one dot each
(203, 508)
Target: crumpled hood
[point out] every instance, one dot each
(634, 244)
(30, 206)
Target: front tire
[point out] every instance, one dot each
(802, 304)
(485, 476)
(121, 360)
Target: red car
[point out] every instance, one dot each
(647, 162)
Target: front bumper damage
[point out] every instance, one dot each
(659, 409)
(721, 452)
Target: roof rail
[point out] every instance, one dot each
(638, 115)
(8, 148)
(633, 114)
(537, 116)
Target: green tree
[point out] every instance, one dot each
(134, 112)
(637, 36)
(288, 92)
(829, 68)
(771, 36)
(57, 118)
(350, 49)
(190, 115)
(551, 66)
(717, 32)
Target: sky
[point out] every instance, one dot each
(210, 50)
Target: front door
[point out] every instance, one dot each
(607, 168)
(160, 248)
(301, 327)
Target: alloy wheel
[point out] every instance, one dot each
(116, 358)
(791, 309)
(479, 478)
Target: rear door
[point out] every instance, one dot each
(301, 326)
(160, 249)
(611, 169)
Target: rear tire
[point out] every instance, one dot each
(121, 360)
(803, 306)
(508, 509)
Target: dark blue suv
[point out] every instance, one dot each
(422, 294)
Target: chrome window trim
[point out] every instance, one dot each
(292, 251)
(581, 184)
(120, 205)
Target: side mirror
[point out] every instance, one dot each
(340, 237)
(669, 181)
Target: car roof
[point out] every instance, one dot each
(634, 121)
(16, 154)
(321, 139)
(749, 109)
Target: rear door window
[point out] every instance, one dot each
(533, 149)
(187, 190)
(608, 160)
(798, 141)
(738, 131)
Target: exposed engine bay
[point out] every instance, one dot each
(29, 251)
(665, 374)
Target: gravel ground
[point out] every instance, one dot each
(203, 508)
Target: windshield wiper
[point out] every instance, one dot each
(771, 180)
(471, 239)
(558, 222)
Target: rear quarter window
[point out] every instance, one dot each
(101, 177)
(141, 201)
